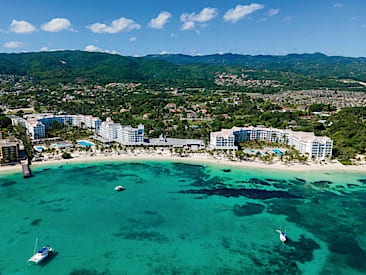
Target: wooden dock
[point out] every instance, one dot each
(26, 171)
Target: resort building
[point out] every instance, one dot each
(37, 124)
(304, 142)
(125, 135)
(9, 151)
(163, 141)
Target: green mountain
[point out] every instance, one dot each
(315, 65)
(295, 71)
(66, 66)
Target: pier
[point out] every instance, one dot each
(26, 171)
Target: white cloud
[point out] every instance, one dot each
(92, 48)
(13, 44)
(44, 49)
(133, 39)
(338, 5)
(272, 12)
(164, 52)
(363, 26)
(190, 19)
(57, 25)
(240, 11)
(160, 20)
(21, 27)
(118, 25)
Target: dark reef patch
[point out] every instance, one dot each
(179, 164)
(35, 222)
(143, 236)
(279, 186)
(297, 182)
(242, 192)
(348, 246)
(352, 185)
(362, 181)
(322, 183)
(302, 250)
(6, 183)
(300, 180)
(248, 209)
(226, 170)
(272, 180)
(148, 212)
(258, 181)
(51, 201)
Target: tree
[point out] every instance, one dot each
(66, 155)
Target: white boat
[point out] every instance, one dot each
(283, 237)
(119, 188)
(42, 254)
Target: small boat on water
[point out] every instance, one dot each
(283, 237)
(42, 254)
(119, 188)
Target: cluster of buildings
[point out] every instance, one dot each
(305, 142)
(37, 124)
(228, 79)
(126, 135)
(339, 99)
(317, 147)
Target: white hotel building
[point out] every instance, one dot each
(37, 124)
(304, 142)
(126, 135)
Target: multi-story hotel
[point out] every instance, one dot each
(37, 124)
(126, 135)
(9, 151)
(304, 142)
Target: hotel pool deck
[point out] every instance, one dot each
(278, 152)
(85, 143)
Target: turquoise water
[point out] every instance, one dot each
(85, 143)
(278, 152)
(177, 218)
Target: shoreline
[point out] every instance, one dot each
(279, 166)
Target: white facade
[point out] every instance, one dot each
(126, 135)
(304, 142)
(37, 124)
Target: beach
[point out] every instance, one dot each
(200, 158)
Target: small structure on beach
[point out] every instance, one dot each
(27, 173)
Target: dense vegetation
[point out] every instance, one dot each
(316, 65)
(348, 132)
(102, 68)
(292, 71)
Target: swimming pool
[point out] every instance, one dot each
(278, 152)
(40, 148)
(85, 143)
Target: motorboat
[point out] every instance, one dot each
(119, 188)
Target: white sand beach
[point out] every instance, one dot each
(201, 158)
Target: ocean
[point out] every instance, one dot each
(182, 218)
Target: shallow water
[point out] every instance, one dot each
(177, 218)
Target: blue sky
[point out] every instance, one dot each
(136, 28)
